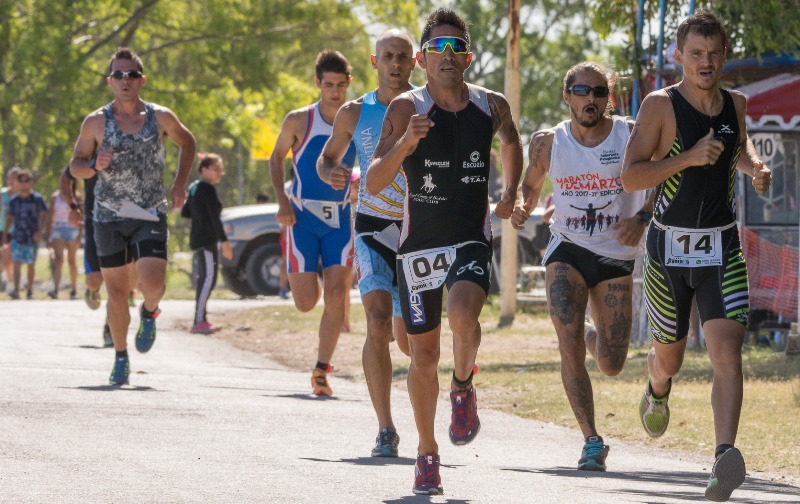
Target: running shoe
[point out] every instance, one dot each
(654, 412)
(146, 335)
(204, 328)
(283, 293)
(319, 383)
(92, 298)
(52, 294)
(727, 475)
(426, 475)
(108, 342)
(120, 371)
(73, 295)
(386, 444)
(29, 296)
(464, 421)
(14, 294)
(593, 456)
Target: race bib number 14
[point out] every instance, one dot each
(693, 248)
(427, 269)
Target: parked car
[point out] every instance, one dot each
(254, 235)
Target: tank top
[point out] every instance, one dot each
(306, 183)
(388, 204)
(447, 176)
(136, 172)
(587, 191)
(700, 196)
(61, 213)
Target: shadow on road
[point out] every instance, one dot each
(112, 388)
(369, 461)
(412, 499)
(694, 483)
(312, 397)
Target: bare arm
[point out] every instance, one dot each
(50, 209)
(749, 162)
(402, 131)
(510, 157)
(645, 164)
(329, 165)
(287, 139)
(180, 135)
(538, 165)
(88, 140)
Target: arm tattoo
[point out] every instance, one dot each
(388, 129)
(502, 122)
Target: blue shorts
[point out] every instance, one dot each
(25, 254)
(310, 239)
(374, 273)
(66, 233)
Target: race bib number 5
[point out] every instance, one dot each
(693, 248)
(427, 269)
(326, 211)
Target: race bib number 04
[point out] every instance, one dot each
(693, 248)
(427, 269)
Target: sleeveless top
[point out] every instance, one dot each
(306, 183)
(700, 197)
(61, 213)
(388, 204)
(587, 191)
(136, 172)
(447, 176)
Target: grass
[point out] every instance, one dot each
(520, 374)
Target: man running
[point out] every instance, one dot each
(316, 216)
(377, 223)
(122, 143)
(688, 141)
(582, 156)
(441, 136)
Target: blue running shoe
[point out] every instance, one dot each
(146, 335)
(386, 444)
(593, 456)
(120, 371)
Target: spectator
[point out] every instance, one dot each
(64, 231)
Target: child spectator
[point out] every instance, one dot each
(27, 212)
(204, 208)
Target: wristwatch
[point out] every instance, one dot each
(645, 216)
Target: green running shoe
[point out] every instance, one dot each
(727, 475)
(120, 371)
(593, 456)
(654, 412)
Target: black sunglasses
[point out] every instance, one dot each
(584, 90)
(23, 179)
(130, 74)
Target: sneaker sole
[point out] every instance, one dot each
(642, 412)
(591, 466)
(428, 491)
(384, 454)
(730, 473)
(467, 440)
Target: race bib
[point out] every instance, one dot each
(326, 211)
(427, 269)
(693, 248)
(389, 237)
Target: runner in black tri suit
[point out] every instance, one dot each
(441, 136)
(688, 141)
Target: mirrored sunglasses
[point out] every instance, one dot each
(130, 74)
(439, 44)
(584, 90)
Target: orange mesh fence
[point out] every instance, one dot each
(772, 274)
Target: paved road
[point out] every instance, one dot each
(204, 422)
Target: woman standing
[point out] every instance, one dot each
(64, 231)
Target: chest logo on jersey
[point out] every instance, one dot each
(428, 186)
(726, 128)
(474, 161)
(473, 179)
(430, 163)
(611, 156)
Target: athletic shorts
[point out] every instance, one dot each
(25, 254)
(422, 309)
(310, 239)
(120, 242)
(593, 268)
(91, 263)
(375, 273)
(721, 291)
(66, 233)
